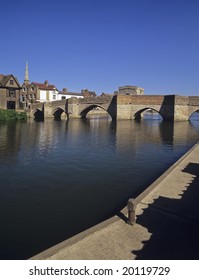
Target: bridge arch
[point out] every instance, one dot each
(193, 112)
(85, 111)
(138, 116)
(59, 113)
(38, 115)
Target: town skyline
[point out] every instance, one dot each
(101, 45)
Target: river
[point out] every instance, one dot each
(58, 178)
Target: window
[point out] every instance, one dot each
(24, 89)
(11, 82)
(11, 105)
(54, 97)
(22, 99)
(32, 88)
(63, 97)
(12, 92)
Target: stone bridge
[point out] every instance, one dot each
(170, 107)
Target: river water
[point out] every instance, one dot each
(58, 178)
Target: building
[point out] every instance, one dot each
(9, 92)
(129, 90)
(65, 94)
(28, 94)
(88, 93)
(33, 92)
(44, 92)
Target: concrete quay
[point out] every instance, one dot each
(167, 223)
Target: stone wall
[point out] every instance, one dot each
(193, 100)
(129, 106)
(3, 98)
(130, 90)
(181, 109)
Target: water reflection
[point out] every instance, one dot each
(10, 137)
(54, 174)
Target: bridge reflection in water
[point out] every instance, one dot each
(59, 178)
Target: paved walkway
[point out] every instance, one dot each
(167, 225)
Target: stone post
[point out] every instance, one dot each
(131, 206)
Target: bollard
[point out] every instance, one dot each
(131, 206)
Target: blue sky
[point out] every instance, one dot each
(101, 45)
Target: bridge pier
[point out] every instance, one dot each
(73, 108)
(48, 110)
(181, 108)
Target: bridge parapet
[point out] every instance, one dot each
(36, 106)
(140, 99)
(170, 107)
(194, 100)
(58, 102)
(181, 100)
(91, 100)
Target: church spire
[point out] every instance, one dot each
(26, 80)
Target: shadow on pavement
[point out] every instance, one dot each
(173, 224)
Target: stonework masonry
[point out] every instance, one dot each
(170, 107)
(130, 90)
(9, 92)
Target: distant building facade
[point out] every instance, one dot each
(65, 94)
(33, 92)
(9, 92)
(37, 92)
(130, 90)
(88, 93)
(45, 91)
(14, 96)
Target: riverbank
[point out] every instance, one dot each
(167, 223)
(12, 115)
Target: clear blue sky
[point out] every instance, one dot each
(103, 44)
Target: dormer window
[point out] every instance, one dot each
(24, 89)
(11, 82)
(32, 88)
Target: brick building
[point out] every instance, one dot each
(32, 92)
(9, 92)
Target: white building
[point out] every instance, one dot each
(64, 94)
(46, 92)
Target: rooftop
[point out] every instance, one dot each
(45, 86)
